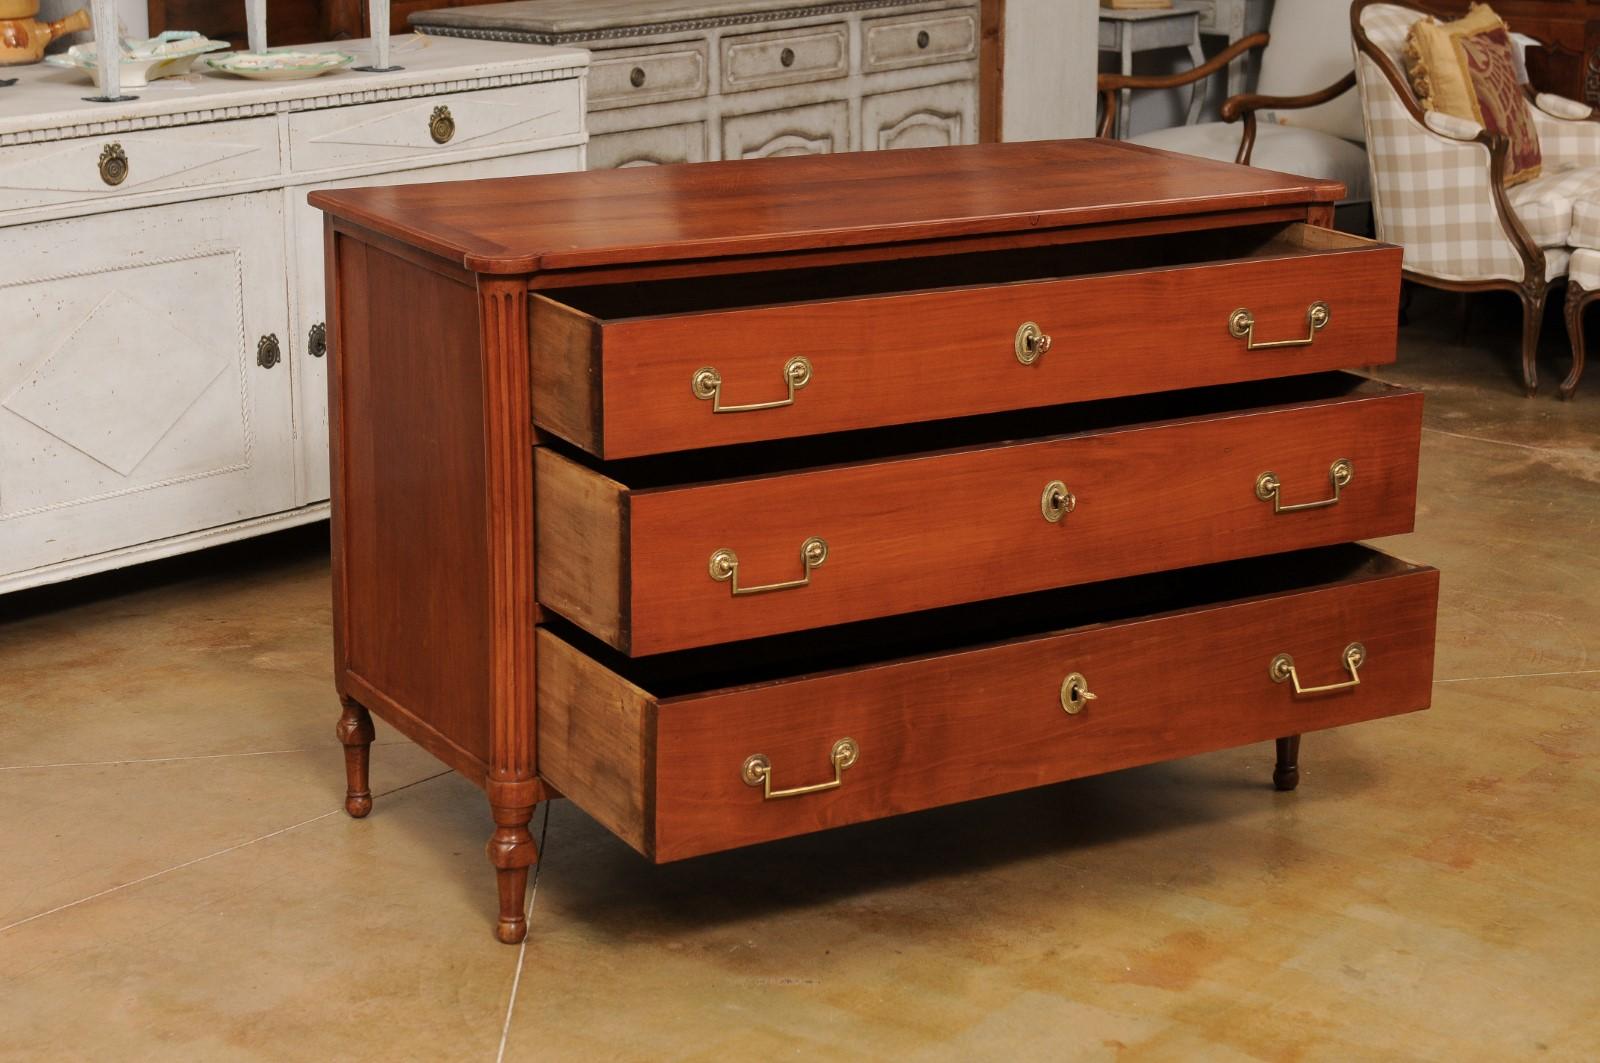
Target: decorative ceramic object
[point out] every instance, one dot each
(280, 65)
(23, 37)
(143, 61)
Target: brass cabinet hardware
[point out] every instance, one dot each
(113, 164)
(441, 125)
(725, 568)
(786, 57)
(1057, 501)
(1242, 326)
(1282, 670)
(317, 340)
(757, 771)
(1075, 694)
(268, 353)
(1031, 343)
(707, 384)
(1269, 488)
(636, 77)
(923, 39)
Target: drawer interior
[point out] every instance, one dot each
(1044, 614)
(618, 302)
(776, 457)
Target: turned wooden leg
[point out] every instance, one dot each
(512, 852)
(1532, 321)
(355, 731)
(1577, 300)
(1286, 776)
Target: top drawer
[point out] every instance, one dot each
(919, 40)
(433, 125)
(624, 77)
(785, 57)
(122, 164)
(623, 371)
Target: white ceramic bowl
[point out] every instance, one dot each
(145, 61)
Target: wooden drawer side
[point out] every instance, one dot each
(581, 536)
(567, 383)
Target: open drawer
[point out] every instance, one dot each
(816, 731)
(789, 536)
(627, 370)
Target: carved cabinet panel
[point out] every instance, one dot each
(934, 117)
(684, 142)
(142, 390)
(819, 129)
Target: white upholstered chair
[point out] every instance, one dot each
(1303, 118)
(1438, 189)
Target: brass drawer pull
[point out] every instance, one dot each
(757, 771)
(268, 352)
(725, 568)
(707, 384)
(113, 164)
(442, 125)
(1075, 694)
(1057, 501)
(317, 340)
(1242, 325)
(1031, 343)
(1269, 488)
(1282, 670)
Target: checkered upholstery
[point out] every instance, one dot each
(1584, 270)
(1433, 193)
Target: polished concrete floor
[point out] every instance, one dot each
(177, 880)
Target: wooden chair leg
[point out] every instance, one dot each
(355, 732)
(1533, 297)
(512, 852)
(1286, 776)
(1577, 301)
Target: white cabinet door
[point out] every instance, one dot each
(310, 366)
(132, 404)
(933, 117)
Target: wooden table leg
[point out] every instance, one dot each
(355, 732)
(1286, 776)
(512, 852)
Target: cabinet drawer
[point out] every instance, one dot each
(918, 40)
(622, 370)
(433, 125)
(785, 57)
(626, 77)
(650, 564)
(122, 164)
(1179, 665)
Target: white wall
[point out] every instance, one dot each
(1050, 61)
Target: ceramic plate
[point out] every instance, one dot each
(143, 61)
(279, 66)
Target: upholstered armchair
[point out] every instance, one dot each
(1438, 189)
(1303, 119)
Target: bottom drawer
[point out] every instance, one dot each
(710, 749)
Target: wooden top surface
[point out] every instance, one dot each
(574, 19)
(765, 206)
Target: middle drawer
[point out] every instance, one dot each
(865, 524)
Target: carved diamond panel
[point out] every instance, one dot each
(409, 128)
(118, 382)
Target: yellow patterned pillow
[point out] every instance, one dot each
(1438, 76)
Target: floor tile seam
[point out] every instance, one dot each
(170, 760)
(202, 859)
(1565, 452)
(1518, 675)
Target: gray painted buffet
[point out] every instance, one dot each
(692, 80)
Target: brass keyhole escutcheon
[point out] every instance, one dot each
(1031, 343)
(441, 126)
(636, 77)
(1057, 501)
(113, 164)
(923, 40)
(786, 57)
(317, 340)
(1075, 694)
(268, 352)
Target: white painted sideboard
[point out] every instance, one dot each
(162, 385)
(691, 80)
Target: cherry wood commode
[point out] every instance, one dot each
(740, 500)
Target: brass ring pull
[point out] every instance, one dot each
(113, 164)
(725, 568)
(1282, 670)
(757, 771)
(1057, 501)
(707, 384)
(1269, 488)
(1075, 694)
(1242, 326)
(1031, 343)
(317, 340)
(441, 125)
